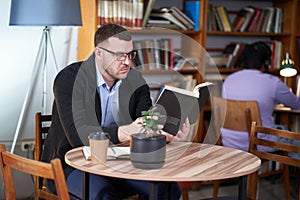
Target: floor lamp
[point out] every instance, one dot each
(44, 13)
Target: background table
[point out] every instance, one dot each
(184, 162)
(287, 116)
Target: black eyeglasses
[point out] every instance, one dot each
(121, 56)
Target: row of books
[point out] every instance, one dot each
(154, 54)
(136, 13)
(230, 57)
(127, 13)
(248, 19)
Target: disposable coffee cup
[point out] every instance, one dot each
(99, 144)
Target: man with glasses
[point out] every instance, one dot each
(102, 93)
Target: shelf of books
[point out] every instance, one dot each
(231, 25)
(140, 16)
(238, 23)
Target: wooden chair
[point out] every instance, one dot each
(42, 125)
(51, 170)
(238, 115)
(235, 115)
(271, 156)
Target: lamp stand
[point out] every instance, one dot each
(43, 48)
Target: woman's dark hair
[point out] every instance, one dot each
(111, 30)
(255, 56)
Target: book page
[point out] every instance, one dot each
(112, 153)
(178, 104)
(118, 153)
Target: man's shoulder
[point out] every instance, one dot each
(72, 67)
(68, 72)
(134, 78)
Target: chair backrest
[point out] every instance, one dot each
(42, 125)
(283, 147)
(234, 114)
(52, 170)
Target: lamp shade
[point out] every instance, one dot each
(288, 67)
(45, 13)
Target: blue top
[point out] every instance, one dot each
(267, 90)
(109, 98)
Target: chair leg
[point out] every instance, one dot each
(286, 175)
(252, 185)
(185, 194)
(216, 188)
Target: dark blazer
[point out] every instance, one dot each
(77, 110)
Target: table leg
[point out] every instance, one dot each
(242, 188)
(153, 190)
(85, 185)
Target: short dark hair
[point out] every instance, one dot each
(111, 30)
(255, 56)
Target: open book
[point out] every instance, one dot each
(112, 153)
(178, 104)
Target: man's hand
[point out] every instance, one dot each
(181, 134)
(184, 131)
(125, 131)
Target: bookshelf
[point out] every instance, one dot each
(213, 41)
(287, 36)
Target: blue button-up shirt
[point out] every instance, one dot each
(109, 99)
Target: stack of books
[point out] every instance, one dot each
(171, 17)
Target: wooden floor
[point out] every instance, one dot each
(268, 190)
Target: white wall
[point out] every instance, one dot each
(18, 50)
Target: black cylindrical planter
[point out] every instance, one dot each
(147, 152)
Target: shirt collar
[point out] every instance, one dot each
(100, 80)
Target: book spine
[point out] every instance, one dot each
(224, 18)
(100, 13)
(254, 20)
(148, 5)
(278, 54)
(139, 14)
(249, 15)
(239, 20)
(260, 21)
(114, 18)
(211, 22)
(128, 12)
(269, 20)
(218, 19)
(272, 59)
(192, 10)
(171, 53)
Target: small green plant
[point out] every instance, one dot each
(149, 123)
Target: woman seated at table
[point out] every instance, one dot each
(254, 83)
